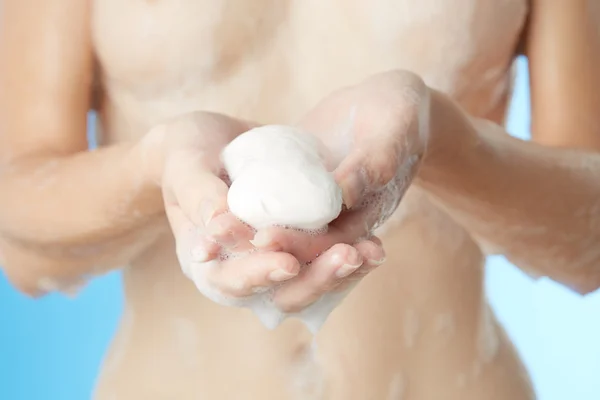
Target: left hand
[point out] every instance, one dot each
(377, 133)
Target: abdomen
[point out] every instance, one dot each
(417, 328)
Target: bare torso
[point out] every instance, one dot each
(417, 328)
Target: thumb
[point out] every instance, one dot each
(195, 188)
(366, 169)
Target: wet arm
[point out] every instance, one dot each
(65, 212)
(537, 203)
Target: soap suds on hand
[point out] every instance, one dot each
(280, 177)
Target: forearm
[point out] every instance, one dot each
(536, 205)
(63, 217)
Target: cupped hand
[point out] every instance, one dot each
(213, 246)
(376, 133)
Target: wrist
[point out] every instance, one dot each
(143, 171)
(452, 141)
(150, 154)
(202, 133)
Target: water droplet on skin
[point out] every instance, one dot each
(69, 288)
(398, 386)
(73, 290)
(488, 340)
(306, 373)
(47, 285)
(444, 324)
(118, 350)
(187, 340)
(461, 380)
(411, 328)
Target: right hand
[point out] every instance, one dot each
(213, 246)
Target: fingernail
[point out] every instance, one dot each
(354, 258)
(199, 254)
(352, 188)
(261, 239)
(346, 270)
(280, 275)
(377, 262)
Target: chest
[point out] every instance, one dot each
(237, 56)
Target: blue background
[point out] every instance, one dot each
(50, 349)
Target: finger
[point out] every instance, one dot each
(354, 226)
(191, 245)
(202, 196)
(381, 146)
(318, 278)
(227, 230)
(304, 246)
(372, 254)
(199, 192)
(376, 240)
(349, 228)
(351, 178)
(365, 170)
(244, 276)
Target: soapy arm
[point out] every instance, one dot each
(64, 212)
(65, 218)
(537, 205)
